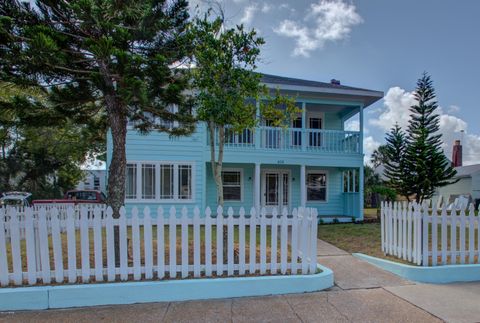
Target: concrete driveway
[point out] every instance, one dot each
(363, 293)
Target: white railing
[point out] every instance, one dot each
(428, 237)
(293, 139)
(256, 245)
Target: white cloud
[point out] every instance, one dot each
(248, 14)
(326, 20)
(453, 109)
(266, 7)
(352, 125)
(369, 145)
(397, 102)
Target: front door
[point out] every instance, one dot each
(275, 190)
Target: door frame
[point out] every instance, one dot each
(279, 171)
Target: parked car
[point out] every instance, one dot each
(77, 197)
(15, 199)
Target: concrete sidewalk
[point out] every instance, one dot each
(363, 293)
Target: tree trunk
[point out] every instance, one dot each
(217, 174)
(116, 170)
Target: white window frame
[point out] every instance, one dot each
(317, 171)
(240, 170)
(157, 198)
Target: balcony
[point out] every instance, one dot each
(294, 139)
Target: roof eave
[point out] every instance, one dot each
(371, 96)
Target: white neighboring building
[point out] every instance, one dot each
(95, 176)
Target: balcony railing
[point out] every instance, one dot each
(294, 139)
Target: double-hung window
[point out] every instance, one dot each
(159, 181)
(317, 186)
(232, 185)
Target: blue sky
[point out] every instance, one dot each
(381, 45)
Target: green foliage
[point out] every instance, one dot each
(375, 190)
(101, 63)
(379, 156)
(42, 160)
(225, 83)
(416, 163)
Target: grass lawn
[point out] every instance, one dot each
(362, 238)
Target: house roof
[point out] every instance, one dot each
(289, 83)
(467, 171)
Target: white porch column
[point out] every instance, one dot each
(303, 187)
(256, 187)
(304, 126)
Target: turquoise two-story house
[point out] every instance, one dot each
(315, 162)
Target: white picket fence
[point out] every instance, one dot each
(430, 237)
(47, 255)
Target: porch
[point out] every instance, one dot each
(333, 191)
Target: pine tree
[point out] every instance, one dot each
(102, 58)
(426, 165)
(394, 161)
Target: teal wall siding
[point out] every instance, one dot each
(333, 121)
(247, 181)
(335, 197)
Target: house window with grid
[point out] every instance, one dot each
(148, 181)
(232, 185)
(184, 182)
(131, 181)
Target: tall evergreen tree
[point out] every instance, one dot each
(102, 58)
(395, 160)
(428, 167)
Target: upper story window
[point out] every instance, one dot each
(159, 181)
(232, 185)
(316, 186)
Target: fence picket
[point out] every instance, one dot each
(57, 246)
(425, 221)
(15, 247)
(110, 244)
(71, 246)
(404, 230)
(294, 242)
(44, 250)
(98, 243)
(304, 240)
(241, 242)
(208, 242)
(434, 218)
(313, 241)
(219, 241)
(230, 237)
(283, 241)
(160, 243)
(184, 243)
(122, 228)
(4, 280)
(137, 274)
(444, 234)
(471, 233)
(273, 242)
(147, 243)
(395, 223)
(382, 225)
(30, 246)
(409, 232)
(462, 235)
(263, 241)
(252, 241)
(85, 245)
(196, 242)
(453, 236)
(172, 246)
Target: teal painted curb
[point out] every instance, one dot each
(433, 275)
(168, 290)
(23, 298)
